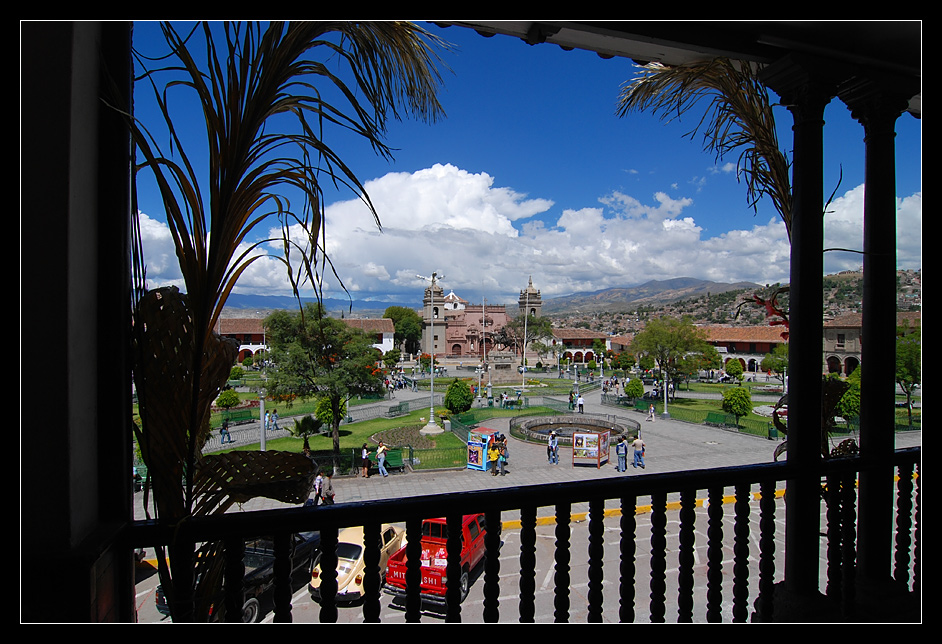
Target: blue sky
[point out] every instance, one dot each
(531, 173)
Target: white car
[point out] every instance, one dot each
(350, 567)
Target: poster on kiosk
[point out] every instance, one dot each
(590, 448)
(477, 447)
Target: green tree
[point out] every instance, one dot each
(318, 356)
(634, 388)
(324, 412)
(849, 404)
(708, 358)
(688, 366)
(525, 329)
(734, 368)
(624, 361)
(408, 327)
(458, 397)
(598, 346)
(228, 399)
(425, 362)
(304, 428)
(737, 401)
(541, 349)
(646, 362)
(391, 358)
(776, 362)
(668, 340)
(909, 364)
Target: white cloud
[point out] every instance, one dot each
(489, 240)
(162, 269)
(843, 228)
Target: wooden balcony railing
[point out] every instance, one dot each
(638, 552)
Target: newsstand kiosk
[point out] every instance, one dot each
(590, 448)
(478, 440)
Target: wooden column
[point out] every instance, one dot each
(877, 106)
(805, 87)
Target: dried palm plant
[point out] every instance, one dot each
(264, 96)
(739, 116)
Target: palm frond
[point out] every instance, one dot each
(738, 117)
(269, 106)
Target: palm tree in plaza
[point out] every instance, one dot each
(271, 96)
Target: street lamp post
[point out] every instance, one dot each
(483, 347)
(523, 354)
(431, 427)
(665, 415)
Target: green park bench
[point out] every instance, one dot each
(400, 409)
(394, 460)
(719, 419)
(238, 416)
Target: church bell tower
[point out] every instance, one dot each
(530, 301)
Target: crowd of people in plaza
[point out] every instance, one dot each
(497, 455)
(621, 452)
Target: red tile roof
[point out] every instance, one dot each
(372, 325)
(849, 320)
(578, 334)
(772, 334)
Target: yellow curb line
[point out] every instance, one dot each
(578, 517)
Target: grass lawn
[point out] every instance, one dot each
(352, 436)
(706, 405)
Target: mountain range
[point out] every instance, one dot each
(650, 293)
(609, 299)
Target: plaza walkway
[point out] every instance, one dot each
(672, 446)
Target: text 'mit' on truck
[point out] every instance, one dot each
(434, 579)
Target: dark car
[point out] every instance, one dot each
(259, 577)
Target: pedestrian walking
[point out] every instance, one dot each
(650, 412)
(621, 450)
(318, 488)
(274, 420)
(365, 461)
(224, 436)
(381, 458)
(581, 404)
(552, 449)
(493, 455)
(327, 491)
(267, 419)
(504, 454)
(638, 446)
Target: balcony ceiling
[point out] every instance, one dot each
(884, 48)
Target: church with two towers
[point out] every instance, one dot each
(456, 328)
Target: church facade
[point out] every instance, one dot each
(454, 328)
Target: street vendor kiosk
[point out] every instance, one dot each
(590, 448)
(478, 440)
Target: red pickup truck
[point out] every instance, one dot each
(434, 542)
